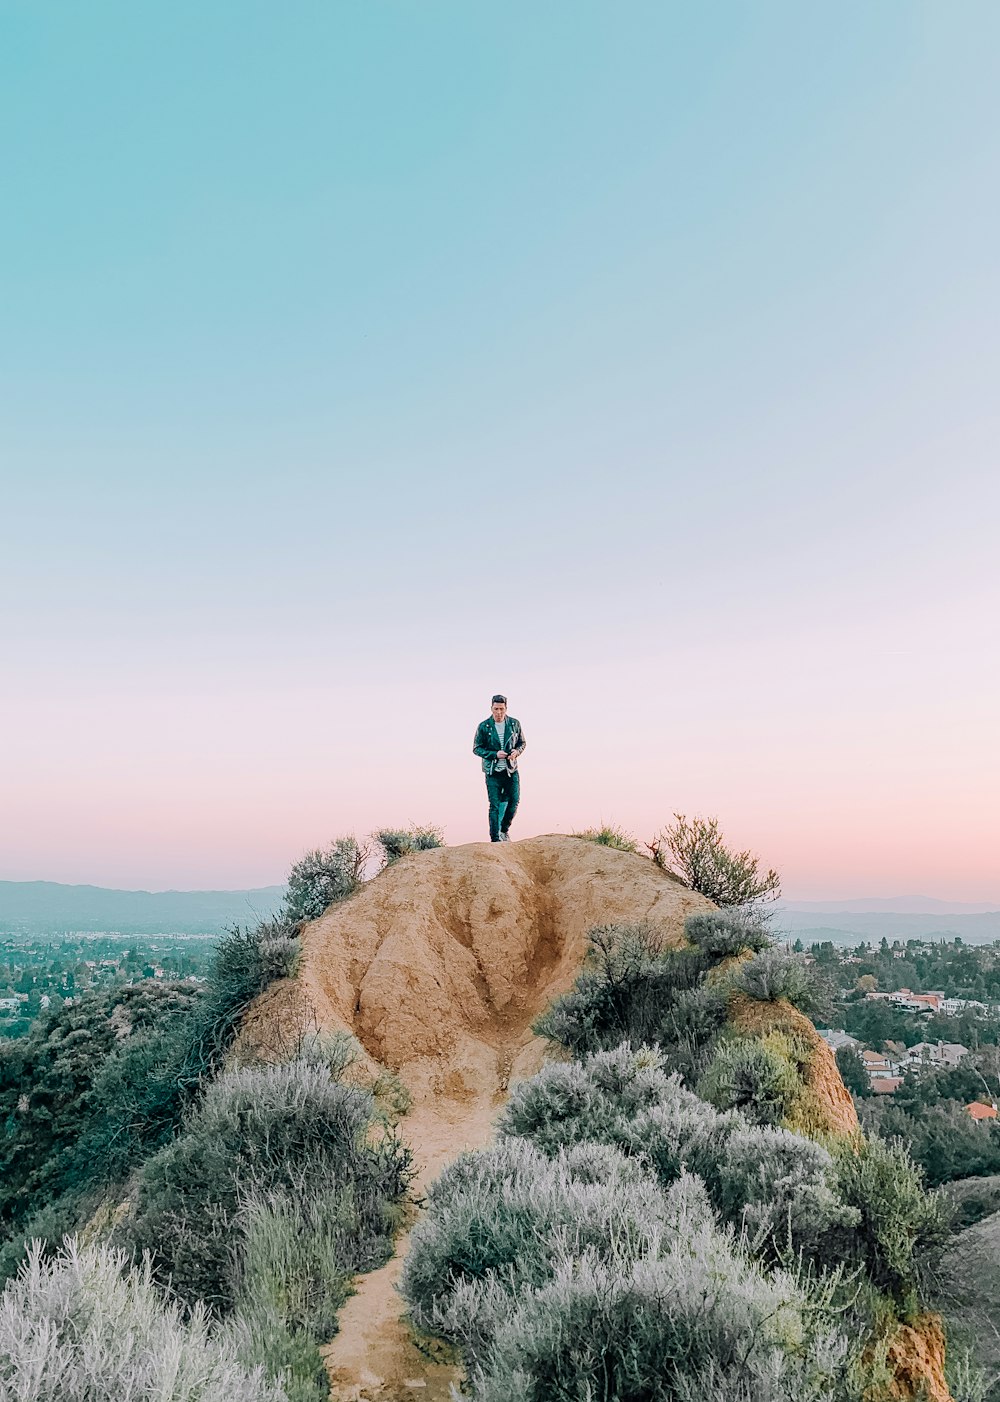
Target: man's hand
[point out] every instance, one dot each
(501, 754)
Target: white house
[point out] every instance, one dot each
(938, 1055)
(878, 1066)
(954, 1006)
(835, 1038)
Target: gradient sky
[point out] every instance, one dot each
(357, 360)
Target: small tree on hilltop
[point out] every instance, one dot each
(323, 877)
(693, 850)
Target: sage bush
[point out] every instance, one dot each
(322, 877)
(554, 1286)
(84, 1325)
(771, 1181)
(400, 842)
(749, 1075)
(721, 934)
(635, 987)
(287, 1129)
(774, 974)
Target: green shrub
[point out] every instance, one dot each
(399, 842)
(246, 962)
(84, 1327)
(263, 1339)
(852, 1071)
(102, 1067)
(103, 1083)
(635, 988)
(722, 934)
(972, 1199)
(748, 1075)
(291, 1283)
(771, 1180)
(559, 1276)
(285, 1129)
(48, 1226)
(774, 974)
(323, 877)
(699, 857)
(902, 1229)
(609, 836)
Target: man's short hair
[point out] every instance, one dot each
(497, 698)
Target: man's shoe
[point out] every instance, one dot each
(505, 837)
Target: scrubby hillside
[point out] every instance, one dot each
(970, 1296)
(440, 967)
(606, 1092)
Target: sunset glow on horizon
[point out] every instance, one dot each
(641, 366)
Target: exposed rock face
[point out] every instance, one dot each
(916, 1361)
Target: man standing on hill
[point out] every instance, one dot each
(500, 743)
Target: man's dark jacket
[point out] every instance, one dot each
(489, 742)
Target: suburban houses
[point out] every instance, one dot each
(886, 1069)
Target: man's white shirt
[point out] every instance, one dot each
(501, 764)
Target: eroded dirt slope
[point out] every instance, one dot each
(441, 963)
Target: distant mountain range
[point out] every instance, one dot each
(894, 917)
(853, 927)
(894, 905)
(50, 908)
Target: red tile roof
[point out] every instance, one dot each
(979, 1111)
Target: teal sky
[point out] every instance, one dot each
(641, 361)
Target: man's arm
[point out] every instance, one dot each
(479, 749)
(522, 744)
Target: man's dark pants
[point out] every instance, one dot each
(504, 791)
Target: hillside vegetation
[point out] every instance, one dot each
(969, 1296)
(638, 1167)
(616, 1195)
(222, 1209)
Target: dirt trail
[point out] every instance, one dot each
(439, 967)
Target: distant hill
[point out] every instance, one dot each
(893, 905)
(50, 908)
(848, 927)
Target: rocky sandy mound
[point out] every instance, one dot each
(438, 967)
(440, 964)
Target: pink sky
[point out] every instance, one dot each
(851, 776)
